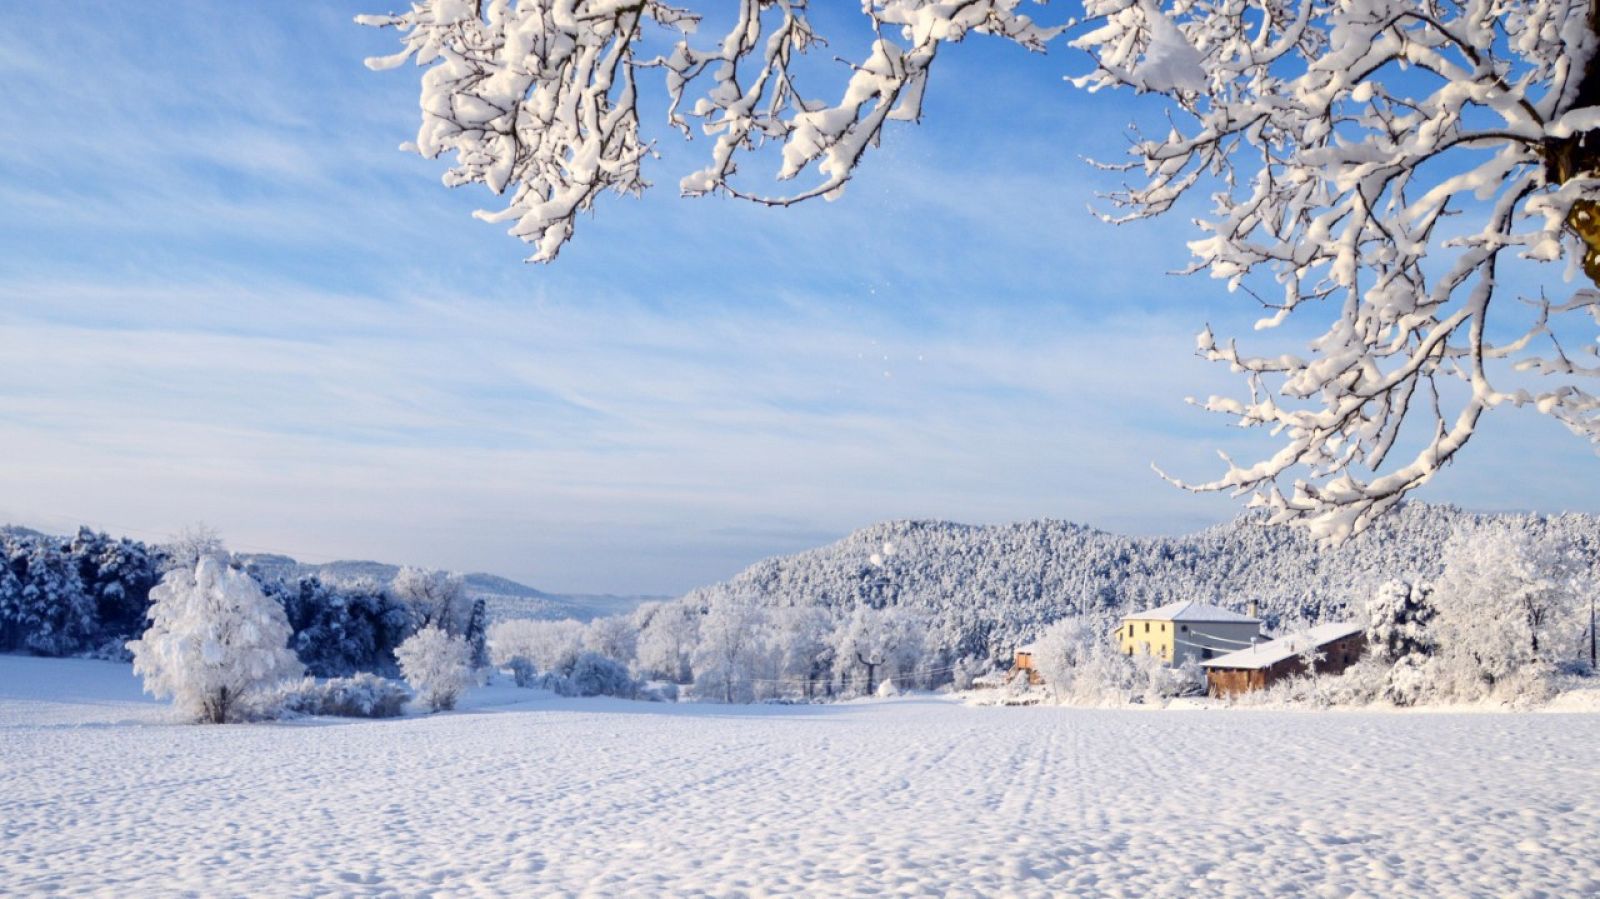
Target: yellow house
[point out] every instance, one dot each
(1180, 631)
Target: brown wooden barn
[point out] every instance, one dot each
(1022, 666)
(1259, 667)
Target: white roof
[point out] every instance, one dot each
(1272, 652)
(1190, 610)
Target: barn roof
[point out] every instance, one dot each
(1189, 610)
(1272, 652)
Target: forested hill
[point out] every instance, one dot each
(989, 587)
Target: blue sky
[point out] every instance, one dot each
(226, 296)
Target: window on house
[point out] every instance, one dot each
(1206, 653)
(1147, 627)
(1183, 628)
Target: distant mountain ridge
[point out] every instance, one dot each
(990, 587)
(504, 597)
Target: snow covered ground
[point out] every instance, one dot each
(528, 794)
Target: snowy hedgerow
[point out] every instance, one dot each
(214, 641)
(364, 695)
(437, 665)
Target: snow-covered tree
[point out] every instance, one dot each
(890, 641)
(614, 636)
(434, 597)
(437, 665)
(214, 641)
(47, 607)
(195, 542)
(539, 100)
(1391, 162)
(803, 638)
(514, 644)
(1406, 168)
(1506, 603)
(341, 629)
(667, 636)
(1061, 651)
(732, 651)
(1399, 620)
(118, 576)
(477, 632)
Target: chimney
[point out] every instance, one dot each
(1254, 612)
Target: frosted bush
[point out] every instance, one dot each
(363, 695)
(593, 674)
(888, 689)
(214, 642)
(438, 666)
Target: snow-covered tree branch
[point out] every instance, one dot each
(539, 100)
(1391, 165)
(1383, 161)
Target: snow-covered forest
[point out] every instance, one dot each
(901, 605)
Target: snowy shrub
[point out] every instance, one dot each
(361, 696)
(438, 666)
(593, 674)
(659, 691)
(214, 641)
(965, 672)
(887, 689)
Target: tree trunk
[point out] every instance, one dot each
(1579, 155)
(872, 672)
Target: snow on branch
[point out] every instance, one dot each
(538, 98)
(1376, 160)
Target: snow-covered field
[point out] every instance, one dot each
(526, 794)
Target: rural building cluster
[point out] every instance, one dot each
(1236, 655)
